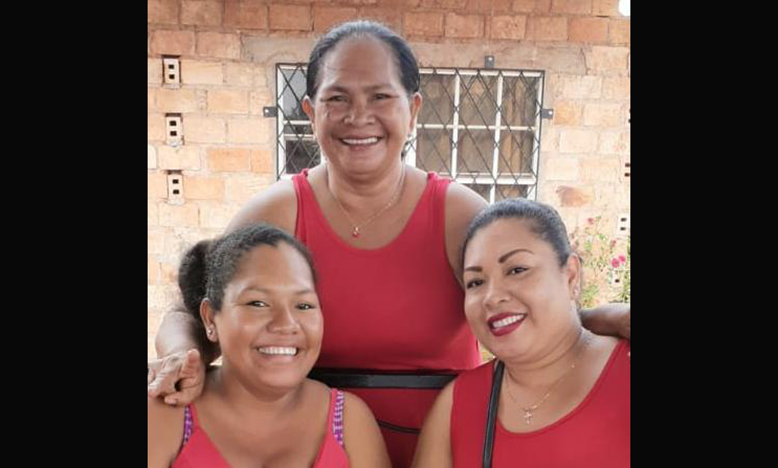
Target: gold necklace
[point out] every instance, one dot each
(355, 227)
(528, 411)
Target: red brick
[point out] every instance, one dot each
(547, 28)
(172, 42)
(391, 17)
(588, 30)
(216, 215)
(155, 71)
(154, 273)
(580, 87)
(260, 98)
(157, 185)
(616, 88)
(262, 161)
(153, 213)
(229, 159)
(325, 17)
(424, 24)
(176, 100)
(526, 6)
(464, 26)
(578, 141)
(489, 6)
(604, 115)
(228, 102)
(239, 74)
(509, 27)
(182, 158)
(619, 32)
(604, 59)
(201, 72)
(211, 44)
(152, 157)
(254, 131)
(572, 7)
(567, 113)
(614, 143)
(204, 130)
(203, 188)
(245, 14)
(201, 13)
(241, 189)
(444, 4)
(178, 215)
(573, 196)
(156, 127)
(290, 18)
(605, 8)
(162, 12)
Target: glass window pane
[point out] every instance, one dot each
(438, 93)
(475, 150)
(481, 189)
(300, 154)
(477, 100)
(515, 152)
(519, 101)
(433, 150)
(292, 94)
(510, 191)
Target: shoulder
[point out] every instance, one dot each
(276, 205)
(361, 436)
(462, 205)
(165, 432)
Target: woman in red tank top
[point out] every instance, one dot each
(389, 237)
(254, 291)
(558, 395)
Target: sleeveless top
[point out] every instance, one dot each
(395, 308)
(594, 434)
(198, 451)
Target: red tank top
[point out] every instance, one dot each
(595, 434)
(199, 452)
(398, 307)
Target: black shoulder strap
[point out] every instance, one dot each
(491, 415)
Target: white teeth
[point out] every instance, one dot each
(366, 141)
(278, 350)
(507, 321)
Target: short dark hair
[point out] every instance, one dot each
(405, 60)
(544, 222)
(210, 265)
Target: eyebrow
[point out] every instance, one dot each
(297, 292)
(501, 259)
(366, 88)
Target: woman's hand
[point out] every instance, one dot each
(178, 377)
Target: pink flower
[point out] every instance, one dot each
(590, 220)
(615, 262)
(613, 243)
(622, 259)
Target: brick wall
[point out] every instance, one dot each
(228, 50)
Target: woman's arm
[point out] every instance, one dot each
(362, 439)
(165, 433)
(608, 319)
(434, 447)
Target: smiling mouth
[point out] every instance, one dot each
(279, 350)
(360, 141)
(504, 322)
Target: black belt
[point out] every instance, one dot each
(358, 378)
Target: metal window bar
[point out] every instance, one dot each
(470, 86)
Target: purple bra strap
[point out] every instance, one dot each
(337, 417)
(188, 425)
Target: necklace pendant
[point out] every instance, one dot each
(355, 232)
(528, 417)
